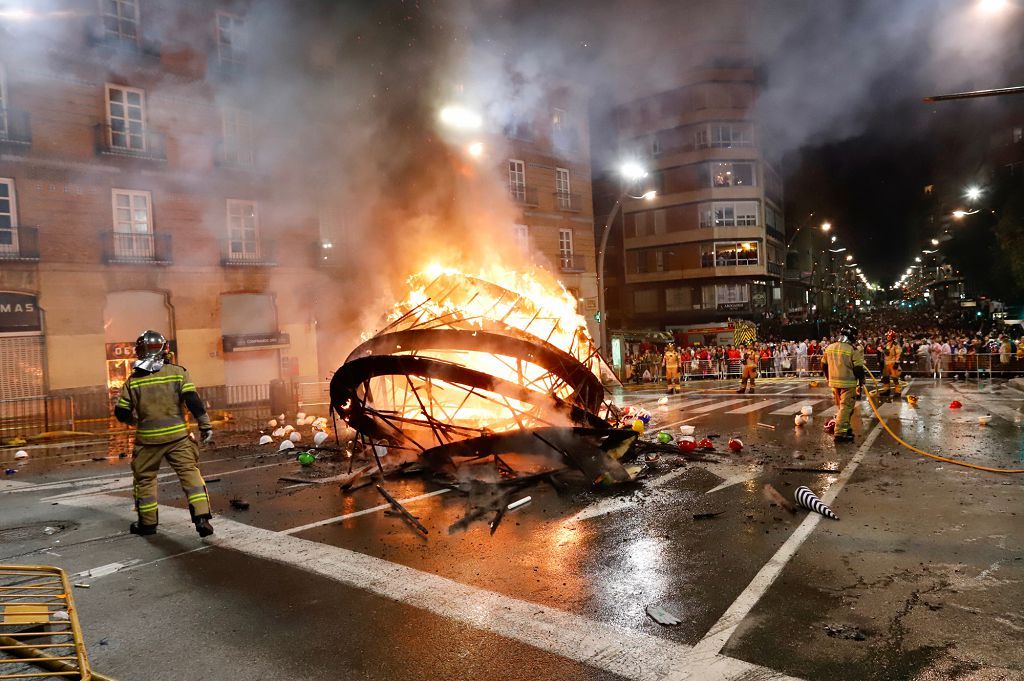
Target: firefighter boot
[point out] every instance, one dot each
(142, 529)
(203, 526)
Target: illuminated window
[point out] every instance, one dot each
(121, 19)
(732, 294)
(729, 254)
(565, 243)
(231, 40)
(126, 117)
(133, 224)
(729, 214)
(730, 174)
(557, 119)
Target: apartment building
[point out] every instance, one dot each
(711, 246)
(133, 196)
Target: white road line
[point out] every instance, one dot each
(794, 408)
(756, 406)
(787, 390)
(612, 504)
(365, 511)
(718, 405)
(677, 423)
(615, 649)
(719, 635)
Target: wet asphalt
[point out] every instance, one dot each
(921, 578)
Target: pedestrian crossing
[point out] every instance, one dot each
(756, 406)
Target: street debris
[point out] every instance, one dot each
(807, 469)
(800, 420)
(809, 500)
(307, 458)
(956, 404)
(265, 440)
(735, 444)
(319, 438)
(845, 632)
(21, 454)
(830, 427)
(707, 516)
(662, 616)
(409, 517)
(519, 504)
(287, 444)
(773, 497)
(239, 504)
(766, 425)
(984, 419)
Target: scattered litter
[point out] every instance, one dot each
(239, 504)
(663, 401)
(50, 530)
(123, 455)
(9, 471)
(413, 520)
(662, 616)
(706, 445)
(104, 570)
(807, 469)
(845, 632)
(955, 404)
(773, 497)
(209, 480)
(519, 503)
(687, 444)
(809, 500)
(766, 425)
(651, 457)
(807, 410)
(60, 616)
(912, 400)
(319, 438)
(687, 430)
(21, 454)
(301, 416)
(638, 426)
(280, 417)
(265, 440)
(800, 420)
(278, 433)
(707, 516)
(287, 444)
(735, 444)
(295, 436)
(272, 423)
(664, 438)
(983, 420)
(307, 458)
(82, 585)
(830, 427)
(288, 429)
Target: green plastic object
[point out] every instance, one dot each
(307, 458)
(664, 438)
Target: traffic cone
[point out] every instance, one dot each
(809, 500)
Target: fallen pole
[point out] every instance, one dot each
(413, 520)
(40, 659)
(994, 92)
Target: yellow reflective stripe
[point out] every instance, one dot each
(188, 387)
(162, 431)
(177, 378)
(197, 497)
(123, 403)
(147, 507)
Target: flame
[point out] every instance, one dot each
(492, 298)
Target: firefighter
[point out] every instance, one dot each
(843, 365)
(749, 359)
(152, 398)
(671, 363)
(891, 363)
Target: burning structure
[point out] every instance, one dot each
(474, 365)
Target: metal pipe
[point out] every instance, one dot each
(994, 92)
(603, 324)
(40, 659)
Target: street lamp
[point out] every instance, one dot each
(460, 117)
(849, 257)
(935, 242)
(959, 214)
(632, 172)
(837, 250)
(973, 193)
(825, 226)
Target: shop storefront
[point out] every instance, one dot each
(251, 339)
(22, 346)
(125, 316)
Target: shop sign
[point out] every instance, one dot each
(126, 349)
(732, 306)
(256, 341)
(19, 313)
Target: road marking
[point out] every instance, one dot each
(756, 406)
(787, 390)
(104, 570)
(612, 504)
(615, 649)
(365, 511)
(796, 407)
(719, 634)
(718, 405)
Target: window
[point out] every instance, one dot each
(517, 179)
(8, 217)
(126, 117)
(133, 224)
(238, 137)
(678, 298)
(729, 214)
(732, 294)
(3, 102)
(557, 119)
(231, 40)
(728, 135)
(565, 243)
(562, 188)
(659, 221)
(645, 301)
(700, 138)
(655, 145)
(121, 19)
(729, 254)
(522, 235)
(640, 223)
(243, 230)
(659, 260)
(732, 174)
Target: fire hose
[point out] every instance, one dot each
(912, 448)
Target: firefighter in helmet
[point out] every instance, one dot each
(749, 358)
(891, 363)
(152, 398)
(843, 365)
(671, 363)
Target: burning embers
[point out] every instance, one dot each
(470, 366)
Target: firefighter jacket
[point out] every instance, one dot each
(839, 361)
(671, 359)
(155, 401)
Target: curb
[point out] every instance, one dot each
(1016, 384)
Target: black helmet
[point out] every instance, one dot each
(848, 333)
(150, 344)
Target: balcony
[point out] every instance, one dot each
(568, 202)
(15, 128)
(112, 43)
(235, 253)
(224, 69)
(775, 234)
(235, 158)
(775, 269)
(150, 146)
(571, 262)
(526, 196)
(129, 248)
(19, 244)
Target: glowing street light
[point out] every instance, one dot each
(476, 149)
(649, 195)
(632, 171)
(935, 242)
(993, 6)
(459, 117)
(973, 193)
(849, 257)
(917, 259)
(825, 226)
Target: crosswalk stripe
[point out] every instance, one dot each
(794, 408)
(717, 405)
(756, 406)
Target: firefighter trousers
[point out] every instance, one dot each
(749, 373)
(844, 399)
(183, 456)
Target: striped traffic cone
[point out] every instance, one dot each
(809, 500)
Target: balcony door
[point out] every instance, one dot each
(126, 118)
(8, 218)
(565, 248)
(133, 224)
(243, 231)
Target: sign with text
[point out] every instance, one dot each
(126, 349)
(19, 313)
(256, 341)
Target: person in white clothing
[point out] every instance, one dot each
(935, 358)
(801, 358)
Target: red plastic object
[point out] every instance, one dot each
(955, 404)
(706, 444)
(735, 444)
(830, 426)
(687, 445)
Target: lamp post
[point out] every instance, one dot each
(633, 173)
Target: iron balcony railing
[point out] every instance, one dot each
(121, 36)
(224, 69)
(775, 234)
(144, 144)
(19, 243)
(241, 253)
(136, 248)
(15, 127)
(523, 194)
(571, 262)
(237, 157)
(775, 268)
(568, 202)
